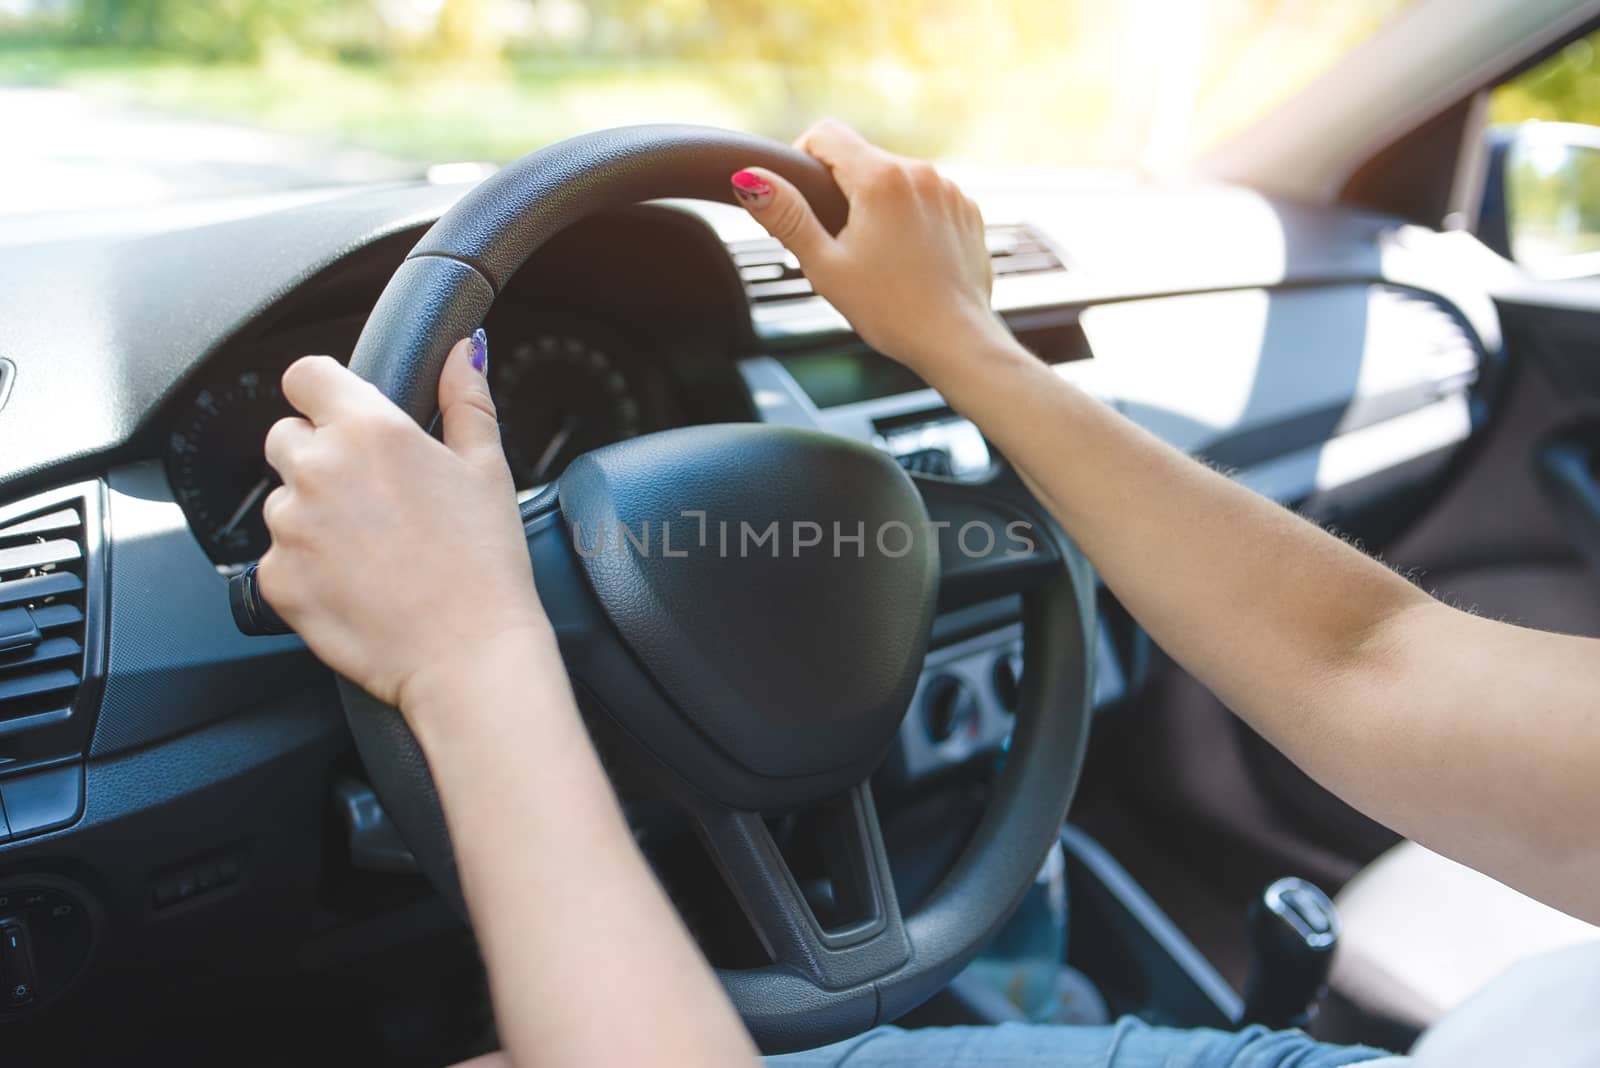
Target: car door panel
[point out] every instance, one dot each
(1509, 529)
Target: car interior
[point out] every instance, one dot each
(209, 850)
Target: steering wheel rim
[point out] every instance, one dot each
(822, 986)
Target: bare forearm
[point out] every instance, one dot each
(1263, 607)
(1406, 708)
(1473, 736)
(571, 920)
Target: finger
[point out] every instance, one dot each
(287, 437)
(851, 157)
(973, 214)
(272, 509)
(784, 211)
(321, 389)
(275, 584)
(956, 203)
(470, 425)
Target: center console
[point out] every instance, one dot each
(966, 698)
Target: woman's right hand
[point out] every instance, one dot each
(910, 269)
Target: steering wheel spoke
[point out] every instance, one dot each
(995, 539)
(863, 937)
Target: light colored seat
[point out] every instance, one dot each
(1421, 934)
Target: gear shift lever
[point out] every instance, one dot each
(1293, 933)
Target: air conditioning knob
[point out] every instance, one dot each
(1006, 676)
(949, 707)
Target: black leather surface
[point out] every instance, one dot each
(795, 655)
(399, 773)
(438, 296)
(444, 289)
(497, 226)
(1031, 797)
(997, 865)
(429, 305)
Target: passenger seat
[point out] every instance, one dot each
(1422, 933)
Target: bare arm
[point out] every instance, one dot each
(1479, 739)
(573, 927)
(1476, 738)
(570, 919)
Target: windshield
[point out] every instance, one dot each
(137, 101)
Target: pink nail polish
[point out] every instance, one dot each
(752, 190)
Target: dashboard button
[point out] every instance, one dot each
(949, 707)
(1007, 679)
(42, 800)
(16, 966)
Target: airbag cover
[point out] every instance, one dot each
(727, 558)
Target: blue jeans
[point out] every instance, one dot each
(1129, 1043)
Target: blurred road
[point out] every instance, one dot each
(64, 150)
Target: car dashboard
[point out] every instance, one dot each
(187, 793)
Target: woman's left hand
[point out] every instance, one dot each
(399, 559)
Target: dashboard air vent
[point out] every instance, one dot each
(1018, 249)
(771, 273)
(48, 569)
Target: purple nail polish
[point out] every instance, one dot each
(480, 351)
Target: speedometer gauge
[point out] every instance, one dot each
(215, 461)
(560, 396)
(215, 441)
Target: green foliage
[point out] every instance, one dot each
(1564, 88)
(210, 30)
(1041, 81)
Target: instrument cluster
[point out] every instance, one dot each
(561, 389)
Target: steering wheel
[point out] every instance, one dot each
(754, 662)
